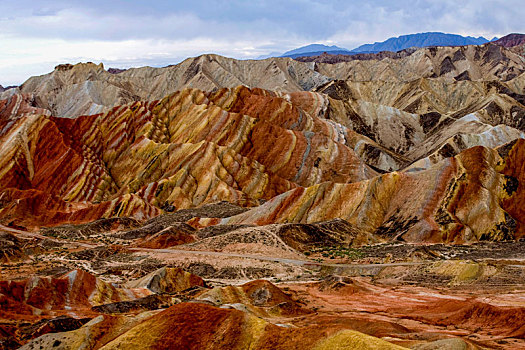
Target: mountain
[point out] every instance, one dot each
(312, 49)
(119, 160)
(271, 54)
(511, 40)
(420, 40)
(392, 45)
(473, 62)
(87, 88)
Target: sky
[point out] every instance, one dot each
(36, 35)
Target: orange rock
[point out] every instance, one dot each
(189, 149)
(460, 199)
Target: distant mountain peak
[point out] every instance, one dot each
(309, 50)
(313, 47)
(271, 54)
(394, 44)
(420, 40)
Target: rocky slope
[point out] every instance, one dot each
(248, 146)
(127, 301)
(201, 325)
(428, 119)
(468, 197)
(511, 40)
(72, 90)
(188, 149)
(485, 62)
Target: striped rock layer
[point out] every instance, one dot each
(476, 195)
(412, 160)
(303, 152)
(190, 148)
(419, 123)
(201, 326)
(75, 292)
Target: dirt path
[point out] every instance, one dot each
(305, 263)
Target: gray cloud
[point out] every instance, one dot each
(308, 19)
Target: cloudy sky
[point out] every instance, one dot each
(36, 35)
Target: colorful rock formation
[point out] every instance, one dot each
(87, 88)
(302, 151)
(180, 152)
(200, 326)
(465, 198)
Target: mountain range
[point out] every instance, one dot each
(393, 44)
(406, 114)
(420, 40)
